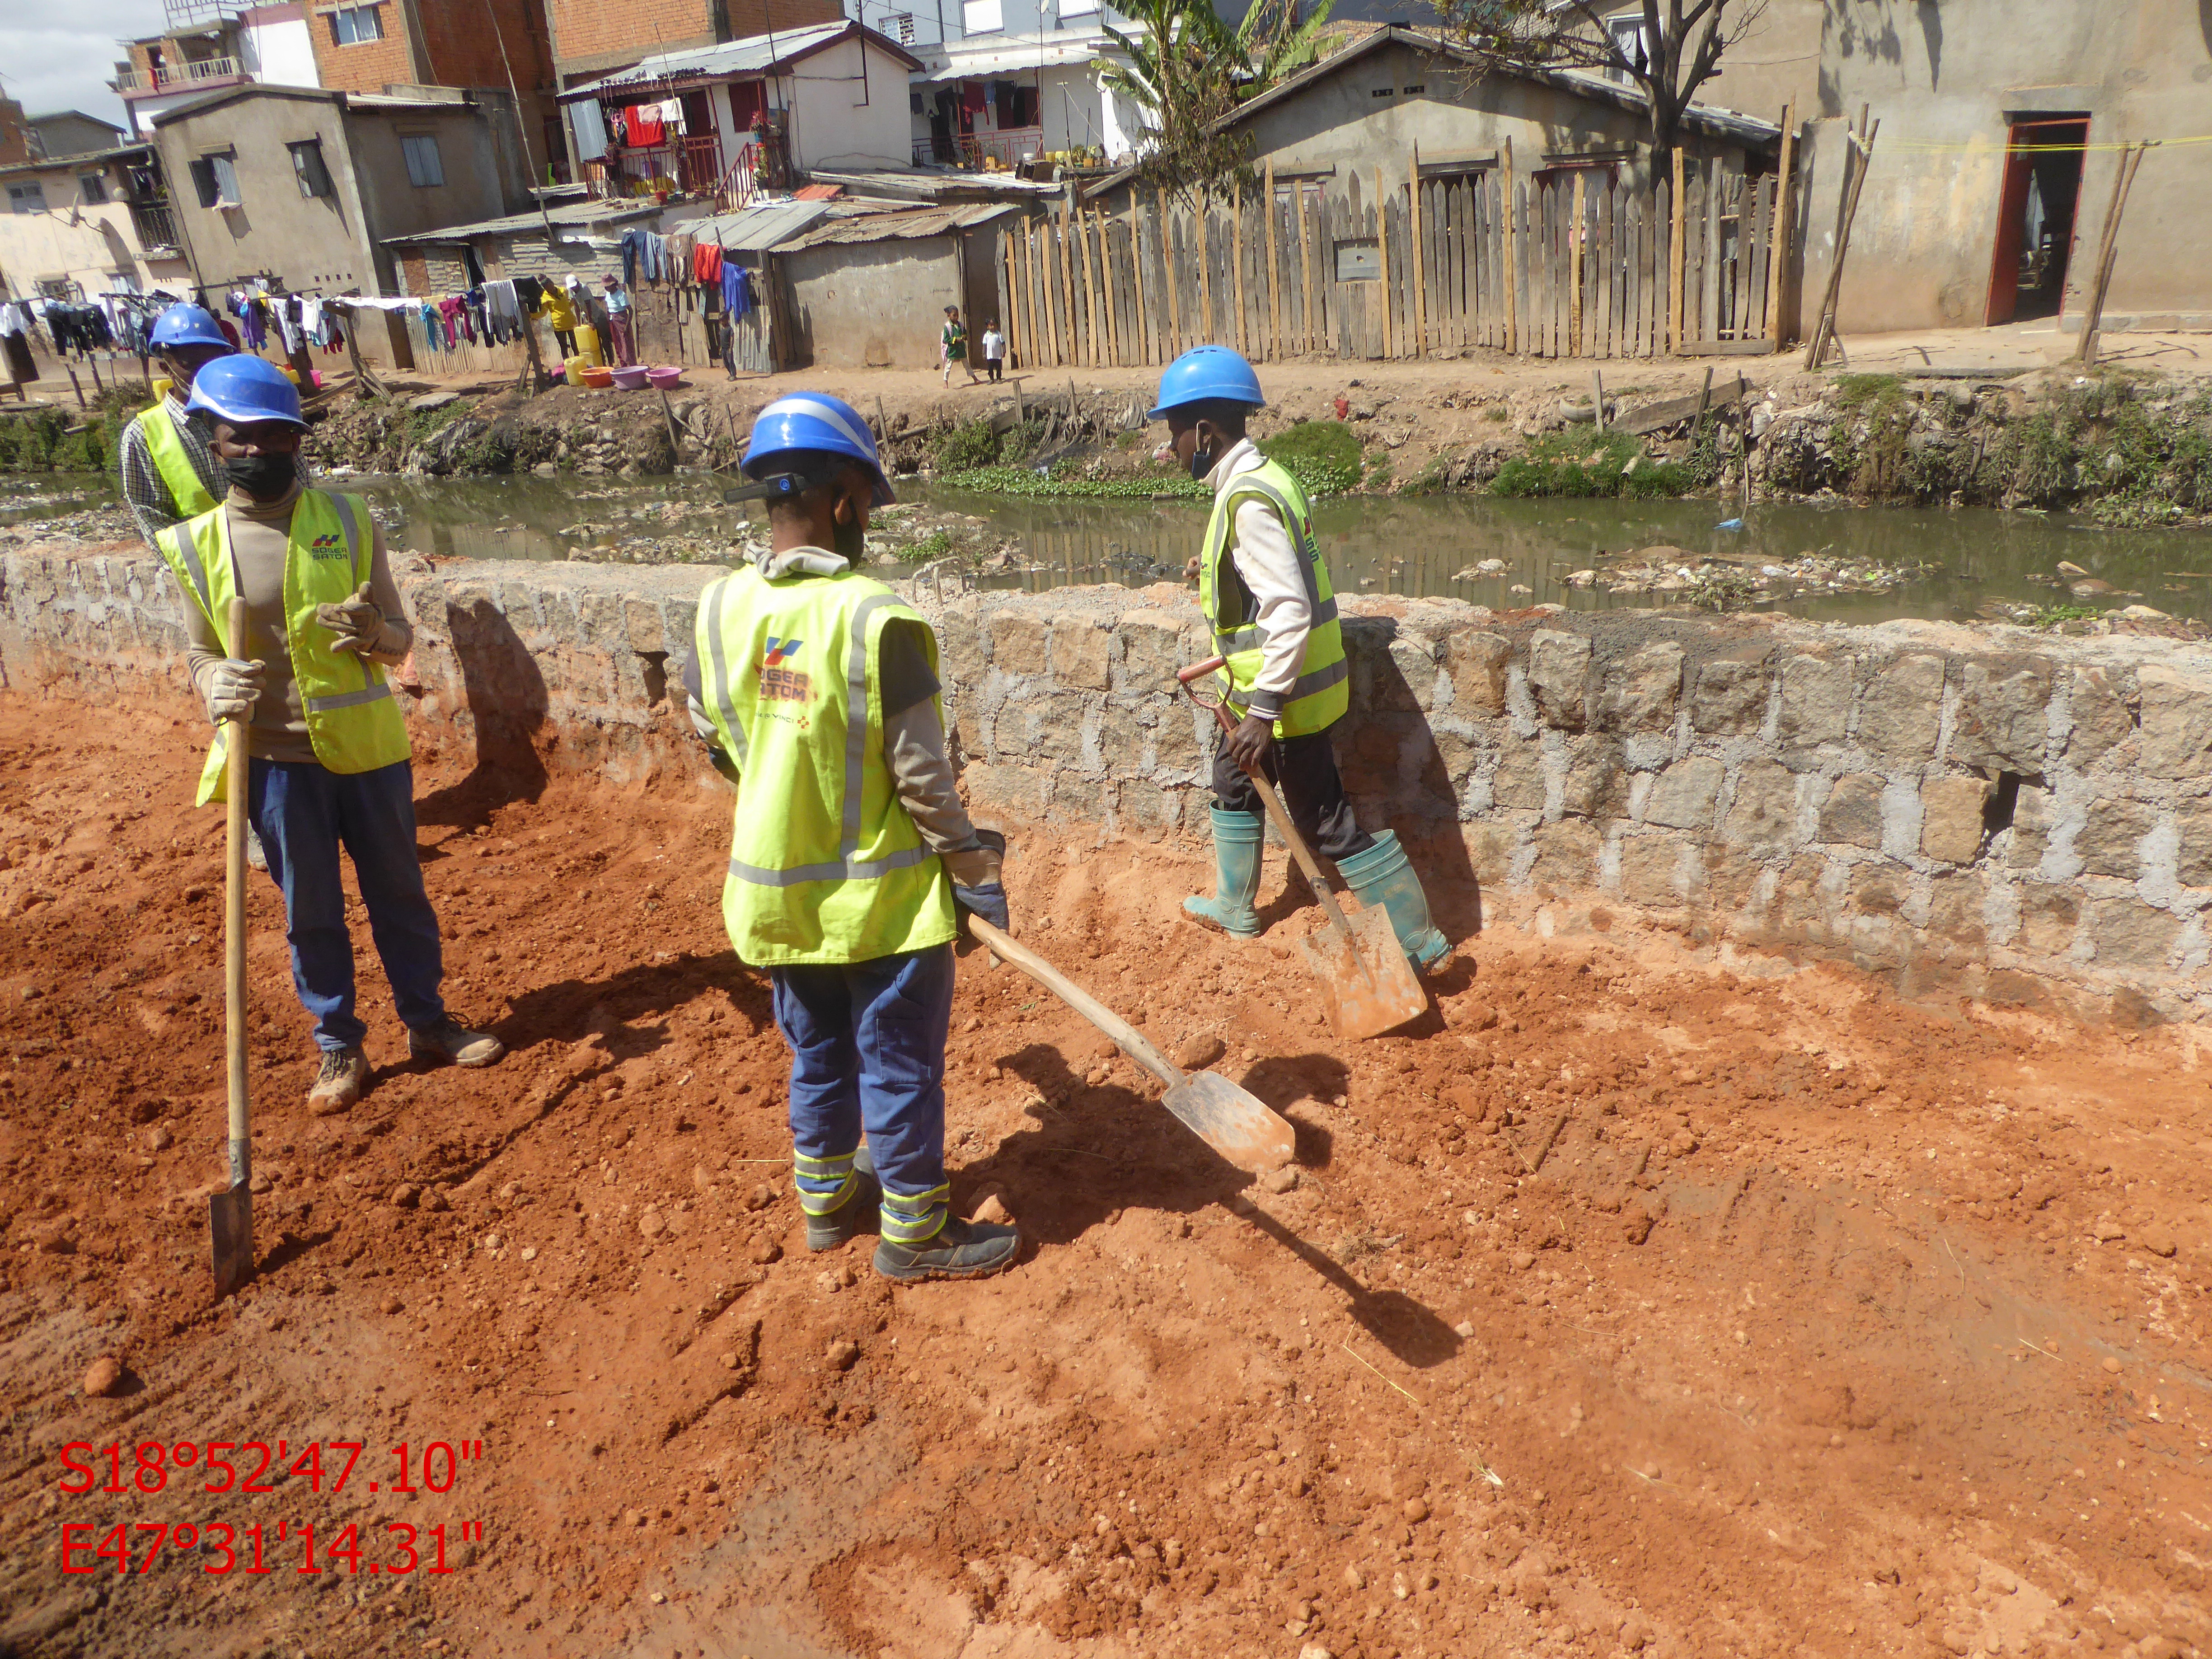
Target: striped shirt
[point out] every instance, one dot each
(144, 488)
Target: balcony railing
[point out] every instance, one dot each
(156, 227)
(981, 152)
(693, 165)
(168, 75)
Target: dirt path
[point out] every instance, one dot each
(1630, 1304)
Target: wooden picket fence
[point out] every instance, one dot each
(1573, 265)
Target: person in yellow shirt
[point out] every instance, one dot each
(561, 317)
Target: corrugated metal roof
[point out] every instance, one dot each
(903, 225)
(570, 216)
(771, 225)
(754, 55)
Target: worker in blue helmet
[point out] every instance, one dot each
(1265, 588)
(169, 470)
(330, 757)
(852, 859)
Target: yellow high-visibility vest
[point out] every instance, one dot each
(1322, 692)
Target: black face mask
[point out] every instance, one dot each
(265, 477)
(850, 541)
(1201, 463)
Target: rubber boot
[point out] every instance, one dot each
(857, 1214)
(1236, 838)
(1380, 876)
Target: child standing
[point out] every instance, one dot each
(994, 349)
(952, 345)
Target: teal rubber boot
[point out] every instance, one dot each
(1380, 876)
(1236, 877)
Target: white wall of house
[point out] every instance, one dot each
(279, 52)
(848, 107)
(95, 251)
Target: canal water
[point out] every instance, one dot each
(1953, 564)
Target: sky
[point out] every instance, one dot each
(58, 54)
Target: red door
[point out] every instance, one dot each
(2012, 210)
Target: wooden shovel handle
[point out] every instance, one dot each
(235, 776)
(1126, 1035)
(1278, 817)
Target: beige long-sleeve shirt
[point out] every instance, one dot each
(260, 531)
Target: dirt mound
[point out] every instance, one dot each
(1625, 1304)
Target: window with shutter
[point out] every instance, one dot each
(307, 167)
(425, 168)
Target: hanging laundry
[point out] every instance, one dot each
(589, 122)
(503, 310)
(706, 264)
(642, 123)
(737, 290)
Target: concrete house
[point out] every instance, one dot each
(867, 289)
(1014, 80)
(765, 109)
(306, 187)
(2000, 127)
(209, 46)
(80, 225)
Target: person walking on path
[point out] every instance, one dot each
(994, 350)
(815, 687)
(952, 345)
(618, 321)
(1264, 587)
(169, 472)
(330, 757)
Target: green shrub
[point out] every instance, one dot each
(1590, 464)
(1030, 481)
(971, 443)
(1321, 455)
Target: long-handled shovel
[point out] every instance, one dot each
(1235, 1124)
(1368, 986)
(230, 1212)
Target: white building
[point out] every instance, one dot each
(211, 45)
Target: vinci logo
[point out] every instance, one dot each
(778, 683)
(327, 547)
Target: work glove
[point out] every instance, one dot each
(357, 622)
(232, 688)
(977, 888)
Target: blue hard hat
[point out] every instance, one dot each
(243, 389)
(815, 421)
(183, 326)
(1207, 375)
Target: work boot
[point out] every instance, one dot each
(857, 1214)
(961, 1250)
(1236, 879)
(339, 1084)
(1380, 876)
(451, 1043)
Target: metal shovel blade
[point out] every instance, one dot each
(1367, 994)
(230, 1224)
(1235, 1123)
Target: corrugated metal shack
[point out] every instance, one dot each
(868, 288)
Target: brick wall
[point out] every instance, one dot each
(1991, 812)
(589, 34)
(367, 65)
(464, 50)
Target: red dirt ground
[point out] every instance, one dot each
(1826, 1324)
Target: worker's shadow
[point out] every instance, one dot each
(506, 701)
(627, 1009)
(1065, 1186)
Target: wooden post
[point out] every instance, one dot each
(2093, 318)
(1597, 396)
(1575, 317)
(1174, 347)
(1824, 330)
(1311, 331)
(1513, 252)
(1067, 278)
(75, 385)
(1413, 229)
(1274, 298)
(1147, 331)
(1090, 265)
(1236, 264)
(1205, 271)
(1675, 262)
(1779, 288)
(1383, 245)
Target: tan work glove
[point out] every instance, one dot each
(233, 688)
(357, 622)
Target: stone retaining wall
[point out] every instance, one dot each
(2017, 815)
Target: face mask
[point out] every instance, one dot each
(1201, 463)
(265, 477)
(850, 541)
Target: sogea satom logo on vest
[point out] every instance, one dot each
(777, 683)
(327, 547)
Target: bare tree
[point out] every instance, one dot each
(1667, 47)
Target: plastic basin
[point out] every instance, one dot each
(630, 378)
(665, 377)
(600, 378)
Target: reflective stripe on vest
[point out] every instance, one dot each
(157, 426)
(353, 723)
(1315, 700)
(810, 878)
